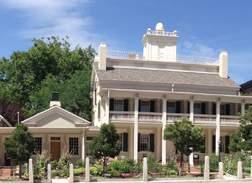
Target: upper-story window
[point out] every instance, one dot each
(200, 108)
(174, 107)
(119, 105)
(147, 105)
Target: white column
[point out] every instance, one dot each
(145, 170)
(107, 107)
(71, 173)
(191, 110)
(136, 129)
(164, 118)
(83, 145)
(242, 108)
(217, 133)
(87, 170)
(49, 173)
(209, 145)
(30, 171)
(191, 119)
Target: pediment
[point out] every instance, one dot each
(56, 117)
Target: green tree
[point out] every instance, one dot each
(106, 144)
(29, 77)
(186, 138)
(20, 145)
(241, 141)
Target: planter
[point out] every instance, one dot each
(126, 175)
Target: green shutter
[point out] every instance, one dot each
(125, 142)
(152, 142)
(126, 105)
(111, 104)
(152, 106)
(213, 143)
(227, 142)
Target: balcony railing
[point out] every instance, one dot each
(149, 117)
(121, 116)
(204, 118)
(225, 119)
(172, 117)
(116, 54)
(117, 116)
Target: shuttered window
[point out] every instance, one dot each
(146, 142)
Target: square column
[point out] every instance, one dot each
(164, 118)
(191, 110)
(136, 104)
(107, 107)
(83, 153)
(243, 108)
(217, 133)
(209, 141)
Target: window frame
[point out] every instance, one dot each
(71, 146)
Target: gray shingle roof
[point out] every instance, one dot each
(160, 76)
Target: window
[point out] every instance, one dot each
(224, 144)
(171, 107)
(118, 105)
(147, 106)
(74, 145)
(124, 141)
(38, 145)
(146, 142)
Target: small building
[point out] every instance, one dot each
(56, 131)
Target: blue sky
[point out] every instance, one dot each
(205, 27)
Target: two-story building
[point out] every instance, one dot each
(142, 93)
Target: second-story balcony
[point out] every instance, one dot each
(150, 111)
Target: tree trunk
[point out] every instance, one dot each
(20, 169)
(181, 163)
(104, 166)
(189, 170)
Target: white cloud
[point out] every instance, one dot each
(43, 18)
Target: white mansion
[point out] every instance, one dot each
(140, 95)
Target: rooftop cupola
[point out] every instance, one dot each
(159, 45)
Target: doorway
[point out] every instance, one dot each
(55, 147)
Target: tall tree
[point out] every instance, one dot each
(20, 146)
(106, 144)
(49, 61)
(186, 138)
(242, 140)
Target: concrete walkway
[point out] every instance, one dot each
(160, 181)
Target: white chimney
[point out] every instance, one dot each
(102, 55)
(223, 64)
(55, 100)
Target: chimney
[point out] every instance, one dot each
(223, 64)
(55, 100)
(102, 54)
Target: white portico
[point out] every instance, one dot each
(143, 94)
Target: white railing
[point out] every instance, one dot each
(149, 116)
(121, 115)
(204, 118)
(227, 119)
(172, 117)
(179, 58)
(162, 33)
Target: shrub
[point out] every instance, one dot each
(40, 165)
(79, 171)
(153, 165)
(96, 169)
(122, 166)
(79, 163)
(214, 163)
(61, 167)
(170, 169)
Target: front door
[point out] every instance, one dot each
(55, 148)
